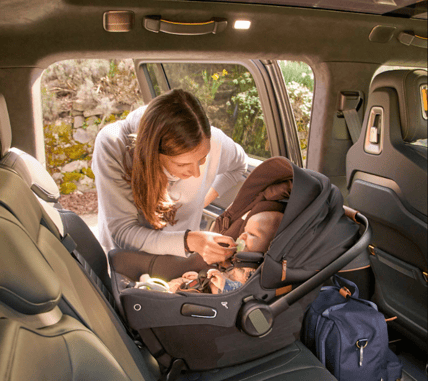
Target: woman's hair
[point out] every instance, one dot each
(173, 123)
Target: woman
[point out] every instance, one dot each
(156, 171)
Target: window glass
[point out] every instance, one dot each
(229, 96)
(299, 80)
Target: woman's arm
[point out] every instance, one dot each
(232, 165)
(118, 216)
(210, 197)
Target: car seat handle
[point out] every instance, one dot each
(256, 317)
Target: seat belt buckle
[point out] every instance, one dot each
(349, 100)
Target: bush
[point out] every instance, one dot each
(299, 80)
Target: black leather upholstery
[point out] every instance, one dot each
(64, 351)
(387, 181)
(407, 85)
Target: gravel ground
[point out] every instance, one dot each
(80, 203)
(85, 205)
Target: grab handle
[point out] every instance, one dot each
(408, 39)
(156, 24)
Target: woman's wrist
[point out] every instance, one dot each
(186, 244)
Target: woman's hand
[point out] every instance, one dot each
(207, 245)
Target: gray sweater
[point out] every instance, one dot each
(119, 223)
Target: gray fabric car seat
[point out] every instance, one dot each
(387, 181)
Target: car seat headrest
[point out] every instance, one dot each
(410, 86)
(5, 130)
(33, 173)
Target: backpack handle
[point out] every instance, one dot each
(340, 282)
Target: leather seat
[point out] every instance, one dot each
(387, 182)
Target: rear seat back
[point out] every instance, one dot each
(58, 352)
(28, 239)
(88, 250)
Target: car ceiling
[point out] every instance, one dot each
(38, 32)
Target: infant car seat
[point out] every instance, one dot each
(200, 331)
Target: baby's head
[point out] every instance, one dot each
(260, 230)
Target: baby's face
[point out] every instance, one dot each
(258, 233)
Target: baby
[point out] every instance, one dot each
(257, 236)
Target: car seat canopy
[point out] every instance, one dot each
(314, 229)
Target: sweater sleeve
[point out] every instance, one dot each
(119, 219)
(232, 165)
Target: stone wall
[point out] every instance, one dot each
(80, 97)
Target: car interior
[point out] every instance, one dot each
(59, 318)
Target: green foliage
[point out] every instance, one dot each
(72, 177)
(299, 72)
(214, 81)
(67, 188)
(299, 81)
(246, 109)
(113, 69)
(88, 172)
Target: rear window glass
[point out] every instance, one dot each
(299, 80)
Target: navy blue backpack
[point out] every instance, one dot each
(349, 335)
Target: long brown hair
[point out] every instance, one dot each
(173, 123)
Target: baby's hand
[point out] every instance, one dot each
(190, 275)
(213, 272)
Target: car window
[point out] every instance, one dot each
(299, 81)
(228, 94)
(79, 98)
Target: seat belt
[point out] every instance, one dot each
(350, 103)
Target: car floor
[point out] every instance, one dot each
(414, 362)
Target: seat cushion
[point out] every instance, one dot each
(293, 363)
(64, 351)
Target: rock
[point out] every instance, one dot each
(74, 166)
(84, 136)
(97, 111)
(78, 122)
(92, 129)
(76, 113)
(79, 105)
(121, 107)
(85, 184)
(92, 120)
(57, 176)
